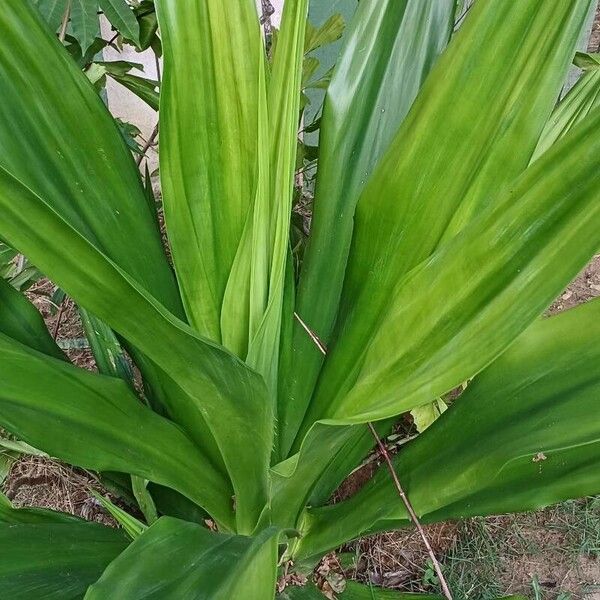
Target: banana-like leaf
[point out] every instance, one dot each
(213, 55)
(388, 51)
(85, 25)
(120, 15)
(55, 561)
(519, 438)
(93, 183)
(96, 422)
(473, 130)
(453, 315)
(175, 559)
(21, 321)
(220, 390)
(582, 98)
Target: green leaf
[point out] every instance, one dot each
(85, 25)
(122, 18)
(21, 321)
(87, 419)
(213, 55)
(425, 415)
(505, 267)
(132, 527)
(472, 131)
(55, 561)
(145, 89)
(329, 32)
(394, 233)
(522, 438)
(582, 98)
(53, 12)
(358, 591)
(213, 387)
(369, 96)
(175, 559)
(93, 184)
(587, 61)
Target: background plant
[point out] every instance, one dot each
(453, 202)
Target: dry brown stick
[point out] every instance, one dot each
(383, 450)
(61, 311)
(65, 22)
(147, 145)
(411, 512)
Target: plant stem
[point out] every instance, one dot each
(411, 512)
(147, 146)
(65, 22)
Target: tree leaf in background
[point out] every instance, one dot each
(53, 12)
(176, 559)
(145, 89)
(85, 25)
(122, 18)
(519, 438)
(331, 31)
(148, 23)
(369, 96)
(425, 415)
(55, 561)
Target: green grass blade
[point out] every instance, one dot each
(176, 559)
(523, 438)
(389, 49)
(55, 561)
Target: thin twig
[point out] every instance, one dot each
(65, 22)
(383, 450)
(411, 512)
(312, 335)
(61, 311)
(147, 145)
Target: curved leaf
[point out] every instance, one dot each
(88, 420)
(519, 438)
(55, 561)
(174, 559)
(122, 18)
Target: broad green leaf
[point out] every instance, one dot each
(85, 25)
(87, 420)
(176, 559)
(472, 131)
(582, 98)
(122, 18)
(55, 561)
(522, 438)
(213, 55)
(460, 309)
(215, 388)
(94, 183)
(21, 321)
(389, 48)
